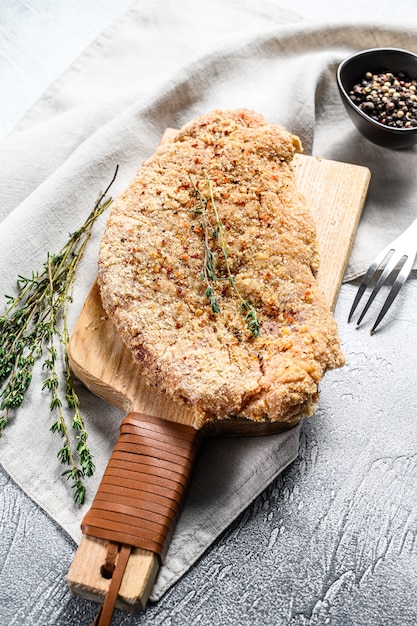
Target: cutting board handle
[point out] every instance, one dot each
(139, 498)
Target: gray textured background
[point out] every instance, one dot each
(333, 539)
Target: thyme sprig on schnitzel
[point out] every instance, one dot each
(208, 274)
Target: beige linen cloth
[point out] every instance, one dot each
(162, 64)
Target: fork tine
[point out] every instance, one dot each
(389, 268)
(403, 249)
(368, 277)
(398, 283)
(365, 282)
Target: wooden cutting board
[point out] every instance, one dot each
(336, 193)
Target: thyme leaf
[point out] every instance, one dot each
(34, 327)
(208, 271)
(251, 318)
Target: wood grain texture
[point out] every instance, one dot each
(335, 193)
(86, 581)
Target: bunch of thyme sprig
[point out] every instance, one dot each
(208, 271)
(34, 327)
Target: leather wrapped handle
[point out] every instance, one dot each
(144, 485)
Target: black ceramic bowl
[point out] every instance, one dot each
(353, 69)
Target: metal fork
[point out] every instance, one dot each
(399, 255)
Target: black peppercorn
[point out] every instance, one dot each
(389, 99)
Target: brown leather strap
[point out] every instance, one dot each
(143, 487)
(106, 610)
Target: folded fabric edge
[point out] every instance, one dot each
(208, 533)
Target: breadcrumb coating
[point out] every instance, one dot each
(230, 169)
